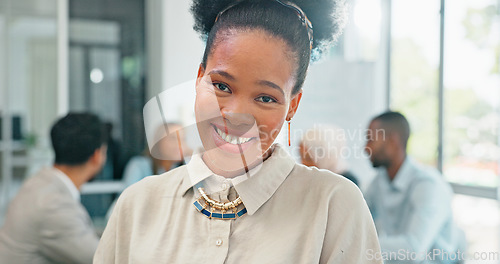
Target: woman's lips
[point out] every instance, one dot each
(232, 139)
(230, 143)
(250, 132)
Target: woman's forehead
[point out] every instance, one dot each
(249, 54)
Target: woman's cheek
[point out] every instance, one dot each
(206, 107)
(206, 104)
(269, 130)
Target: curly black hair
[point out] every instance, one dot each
(327, 18)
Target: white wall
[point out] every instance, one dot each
(174, 49)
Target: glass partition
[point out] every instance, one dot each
(28, 88)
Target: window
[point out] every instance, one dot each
(470, 102)
(415, 72)
(472, 92)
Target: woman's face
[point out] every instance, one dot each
(244, 95)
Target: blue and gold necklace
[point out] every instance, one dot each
(218, 210)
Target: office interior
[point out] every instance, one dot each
(435, 61)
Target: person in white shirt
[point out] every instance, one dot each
(410, 203)
(243, 199)
(45, 222)
(166, 155)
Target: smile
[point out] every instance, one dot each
(230, 138)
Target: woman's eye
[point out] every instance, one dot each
(222, 87)
(266, 99)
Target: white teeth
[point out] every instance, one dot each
(231, 139)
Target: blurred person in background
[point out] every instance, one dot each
(97, 204)
(45, 222)
(166, 155)
(410, 203)
(322, 147)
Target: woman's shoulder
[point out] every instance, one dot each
(323, 182)
(319, 176)
(156, 185)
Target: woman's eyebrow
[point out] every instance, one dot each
(271, 85)
(222, 73)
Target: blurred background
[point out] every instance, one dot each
(436, 61)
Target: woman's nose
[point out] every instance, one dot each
(237, 111)
(238, 118)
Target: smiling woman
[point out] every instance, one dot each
(243, 198)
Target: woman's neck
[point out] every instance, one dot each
(240, 171)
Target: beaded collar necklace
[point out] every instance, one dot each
(218, 210)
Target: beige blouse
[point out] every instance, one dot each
(295, 214)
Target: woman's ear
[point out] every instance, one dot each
(201, 72)
(294, 105)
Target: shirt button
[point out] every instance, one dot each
(218, 242)
(225, 186)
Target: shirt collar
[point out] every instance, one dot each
(403, 177)
(197, 172)
(68, 183)
(255, 190)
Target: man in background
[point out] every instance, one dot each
(410, 203)
(45, 222)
